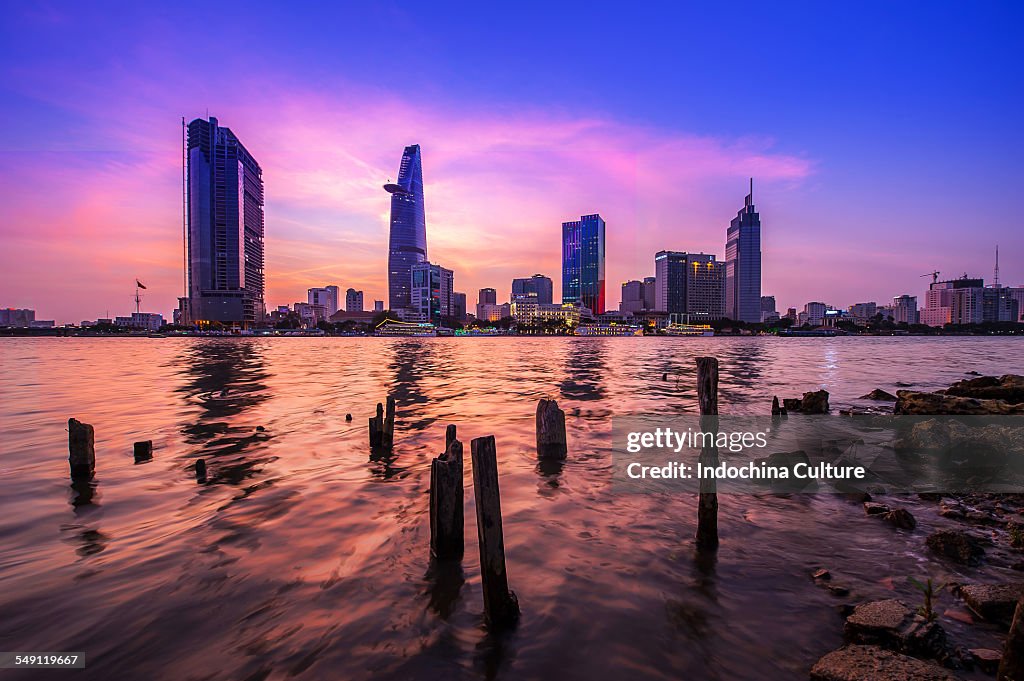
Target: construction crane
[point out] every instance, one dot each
(934, 275)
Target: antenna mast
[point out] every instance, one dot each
(184, 214)
(997, 266)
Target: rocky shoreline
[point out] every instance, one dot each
(888, 639)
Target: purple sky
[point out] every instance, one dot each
(874, 160)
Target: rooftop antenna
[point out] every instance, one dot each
(184, 210)
(997, 266)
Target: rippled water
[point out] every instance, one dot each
(305, 557)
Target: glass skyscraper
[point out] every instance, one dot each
(583, 262)
(407, 244)
(743, 264)
(225, 228)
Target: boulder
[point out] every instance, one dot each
(811, 403)
(1009, 388)
(923, 404)
(956, 545)
(993, 602)
(871, 663)
(875, 508)
(901, 518)
(880, 395)
(891, 624)
(986, 658)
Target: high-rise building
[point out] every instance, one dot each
(537, 286)
(583, 250)
(486, 296)
(904, 309)
(690, 284)
(814, 313)
(459, 307)
(431, 293)
(743, 264)
(1017, 293)
(957, 301)
(18, 318)
(632, 297)
(650, 293)
(225, 228)
(407, 245)
(353, 301)
(326, 297)
(768, 311)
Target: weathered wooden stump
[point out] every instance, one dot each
(447, 519)
(81, 450)
(377, 427)
(388, 430)
(551, 440)
(143, 450)
(500, 605)
(1011, 667)
(201, 470)
(777, 409)
(707, 504)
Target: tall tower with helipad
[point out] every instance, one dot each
(407, 244)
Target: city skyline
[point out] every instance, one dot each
(858, 199)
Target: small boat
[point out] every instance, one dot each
(156, 335)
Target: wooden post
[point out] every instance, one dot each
(707, 505)
(776, 409)
(144, 450)
(1011, 667)
(201, 470)
(501, 607)
(447, 520)
(551, 441)
(81, 450)
(377, 427)
(388, 431)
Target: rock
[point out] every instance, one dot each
(993, 602)
(822, 574)
(880, 395)
(956, 545)
(871, 663)
(1009, 388)
(837, 590)
(901, 518)
(348, 417)
(260, 429)
(923, 404)
(875, 508)
(891, 624)
(776, 409)
(986, 658)
(811, 403)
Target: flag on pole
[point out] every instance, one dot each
(139, 284)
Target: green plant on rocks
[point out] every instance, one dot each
(930, 592)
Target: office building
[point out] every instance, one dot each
(691, 285)
(862, 313)
(378, 306)
(492, 312)
(632, 297)
(743, 264)
(537, 286)
(431, 295)
(224, 194)
(583, 253)
(1017, 293)
(326, 297)
(904, 309)
(407, 244)
(141, 321)
(459, 307)
(486, 296)
(768, 311)
(813, 314)
(353, 301)
(957, 301)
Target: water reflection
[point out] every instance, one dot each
(444, 586)
(227, 380)
(584, 370)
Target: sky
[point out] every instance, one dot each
(884, 140)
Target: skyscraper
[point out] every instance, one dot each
(407, 244)
(690, 284)
(583, 262)
(538, 286)
(743, 264)
(224, 193)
